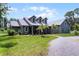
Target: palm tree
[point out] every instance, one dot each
(41, 28)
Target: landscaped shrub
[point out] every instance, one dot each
(19, 33)
(43, 36)
(75, 32)
(2, 29)
(11, 32)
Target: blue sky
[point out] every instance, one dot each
(53, 11)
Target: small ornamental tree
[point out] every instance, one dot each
(41, 28)
(53, 27)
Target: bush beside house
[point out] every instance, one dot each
(11, 32)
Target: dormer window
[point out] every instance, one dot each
(39, 20)
(44, 20)
(32, 19)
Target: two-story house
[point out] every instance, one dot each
(27, 25)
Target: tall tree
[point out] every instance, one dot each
(3, 11)
(5, 22)
(12, 19)
(70, 14)
(70, 18)
(76, 11)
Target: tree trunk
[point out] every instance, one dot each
(39, 32)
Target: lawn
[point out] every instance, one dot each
(24, 45)
(64, 34)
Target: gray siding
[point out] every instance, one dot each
(65, 27)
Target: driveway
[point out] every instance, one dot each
(64, 46)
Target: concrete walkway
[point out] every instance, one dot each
(64, 46)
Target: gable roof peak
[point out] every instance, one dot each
(45, 18)
(32, 17)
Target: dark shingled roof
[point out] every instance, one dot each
(22, 22)
(25, 22)
(14, 23)
(32, 23)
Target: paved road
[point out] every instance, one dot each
(64, 46)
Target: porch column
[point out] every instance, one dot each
(32, 30)
(21, 29)
(51, 30)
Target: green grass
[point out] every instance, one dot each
(61, 35)
(64, 34)
(3, 32)
(24, 45)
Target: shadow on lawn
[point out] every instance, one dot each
(7, 44)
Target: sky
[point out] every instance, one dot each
(53, 11)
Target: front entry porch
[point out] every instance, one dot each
(33, 30)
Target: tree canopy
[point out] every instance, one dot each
(3, 9)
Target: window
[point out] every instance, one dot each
(26, 28)
(33, 20)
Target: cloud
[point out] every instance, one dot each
(23, 9)
(49, 13)
(12, 9)
(33, 8)
(38, 8)
(44, 11)
(43, 8)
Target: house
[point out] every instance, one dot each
(30, 25)
(62, 26)
(27, 25)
